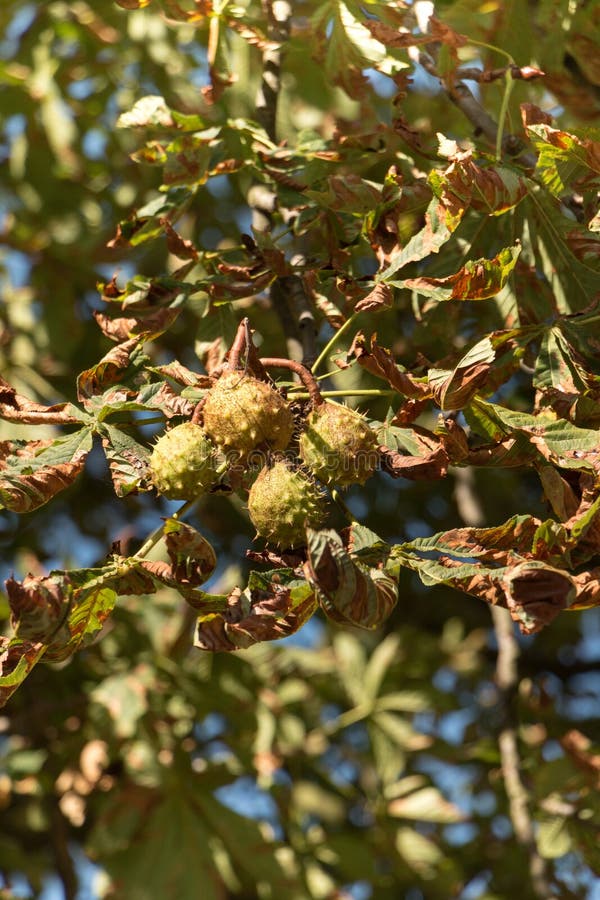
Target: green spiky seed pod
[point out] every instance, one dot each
(182, 463)
(242, 412)
(338, 445)
(282, 501)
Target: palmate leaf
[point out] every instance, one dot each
(572, 275)
(345, 45)
(556, 440)
(32, 472)
(506, 565)
(163, 842)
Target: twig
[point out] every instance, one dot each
(62, 858)
(485, 76)
(507, 682)
(288, 294)
(463, 98)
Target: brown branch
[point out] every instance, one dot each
(485, 76)
(305, 376)
(288, 294)
(463, 98)
(59, 836)
(507, 682)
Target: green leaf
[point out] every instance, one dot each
(556, 440)
(430, 239)
(552, 837)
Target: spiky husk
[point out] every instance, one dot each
(182, 463)
(282, 501)
(242, 412)
(338, 445)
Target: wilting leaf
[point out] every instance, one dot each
(424, 455)
(564, 158)
(381, 297)
(348, 591)
(192, 556)
(477, 280)
(454, 389)
(378, 360)
(16, 408)
(536, 593)
(32, 472)
(431, 238)
(274, 605)
(17, 659)
(558, 365)
(556, 440)
(492, 190)
(111, 369)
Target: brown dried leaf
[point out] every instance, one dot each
(381, 297)
(16, 408)
(454, 390)
(253, 616)
(536, 593)
(379, 362)
(177, 245)
(577, 745)
(432, 465)
(533, 115)
(94, 381)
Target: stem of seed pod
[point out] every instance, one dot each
(375, 392)
(197, 414)
(238, 345)
(158, 533)
(342, 504)
(306, 377)
(326, 349)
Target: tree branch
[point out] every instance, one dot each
(60, 848)
(464, 99)
(507, 682)
(288, 294)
